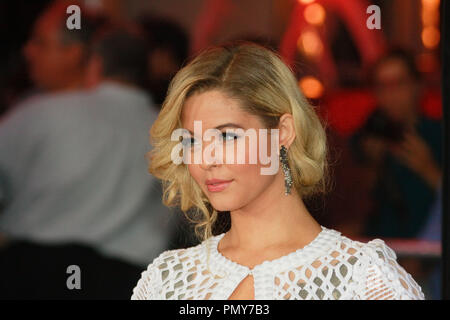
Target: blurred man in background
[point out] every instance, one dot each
(56, 56)
(169, 48)
(402, 148)
(15, 30)
(74, 171)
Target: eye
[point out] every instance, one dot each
(188, 142)
(229, 136)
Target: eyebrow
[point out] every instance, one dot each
(225, 125)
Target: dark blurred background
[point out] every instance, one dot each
(377, 91)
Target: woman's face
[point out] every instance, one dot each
(240, 183)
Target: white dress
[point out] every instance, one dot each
(332, 266)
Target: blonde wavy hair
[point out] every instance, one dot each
(265, 87)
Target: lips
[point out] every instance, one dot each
(217, 185)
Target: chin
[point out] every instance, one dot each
(221, 206)
(226, 203)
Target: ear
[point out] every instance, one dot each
(287, 130)
(94, 72)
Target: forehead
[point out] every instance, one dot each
(49, 22)
(214, 108)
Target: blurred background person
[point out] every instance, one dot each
(73, 166)
(168, 51)
(57, 56)
(53, 58)
(402, 149)
(329, 46)
(15, 29)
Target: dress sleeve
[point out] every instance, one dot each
(384, 278)
(147, 286)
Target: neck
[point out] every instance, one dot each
(272, 219)
(75, 83)
(120, 81)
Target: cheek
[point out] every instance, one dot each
(248, 151)
(257, 159)
(407, 95)
(385, 96)
(49, 64)
(250, 184)
(195, 171)
(249, 178)
(46, 53)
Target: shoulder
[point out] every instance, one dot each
(371, 251)
(381, 276)
(431, 131)
(45, 101)
(41, 109)
(375, 251)
(431, 123)
(164, 270)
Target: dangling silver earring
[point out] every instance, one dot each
(286, 170)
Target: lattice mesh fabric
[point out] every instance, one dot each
(330, 267)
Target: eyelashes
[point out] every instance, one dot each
(190, 141)
(228, 136)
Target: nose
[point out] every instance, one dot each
(206, 166)
(210, 156)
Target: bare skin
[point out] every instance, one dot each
(397, 93)
(54, 66)
(265, 223)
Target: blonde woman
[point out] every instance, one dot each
(274, 248)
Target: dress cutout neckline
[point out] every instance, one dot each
(310, 251)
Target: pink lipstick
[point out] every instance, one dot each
(217, 185)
